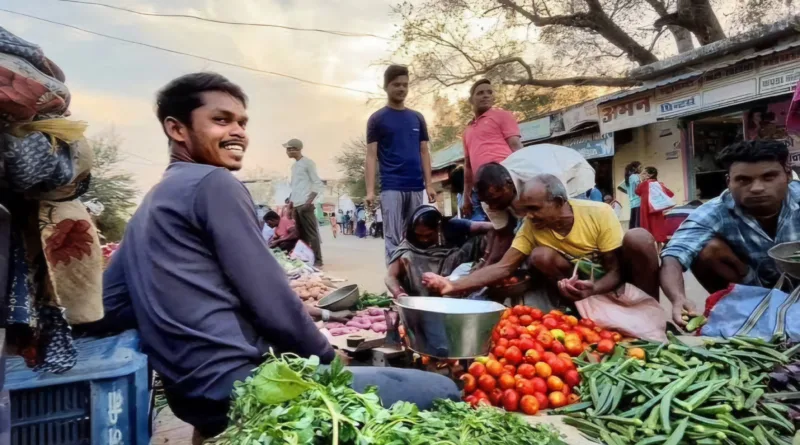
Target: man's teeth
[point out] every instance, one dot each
(233, 147)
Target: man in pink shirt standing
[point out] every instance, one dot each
(491, 137)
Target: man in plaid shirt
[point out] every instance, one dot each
(726, 239)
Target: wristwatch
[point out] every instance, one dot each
(326, 315)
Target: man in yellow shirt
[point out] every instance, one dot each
(577, 244)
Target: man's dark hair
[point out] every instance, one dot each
(457, 179)
(754, 151)
(477, 84)
(652, 171)
(491, 174)
(393, 72)
(271, 215)
(183, 95)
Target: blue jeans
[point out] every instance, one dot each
(478, 215)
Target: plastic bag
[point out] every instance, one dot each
(303, 253)
(659, 200)
(629, 311)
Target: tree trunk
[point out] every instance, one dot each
(683, 38)
(698, 17)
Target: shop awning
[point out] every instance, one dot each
(649, 86)
(446, 157)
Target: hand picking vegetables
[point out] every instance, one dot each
(675, 394)
(530, 365)
(289, 400)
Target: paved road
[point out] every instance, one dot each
(361, 261)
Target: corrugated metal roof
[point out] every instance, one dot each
(653, 85)
(754, 55)
(447, 156)
(649, 86)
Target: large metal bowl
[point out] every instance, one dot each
(341, 299)
(781, 253)
(448, 327)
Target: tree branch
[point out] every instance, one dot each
(596, 20)
(530, 80)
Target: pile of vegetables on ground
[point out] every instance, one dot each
(311, 288)
(530, 366)
(372, 319)
(289, 265)
(652, 393)
(367, 300)
(294, 401)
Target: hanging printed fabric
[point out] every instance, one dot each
(659, 200)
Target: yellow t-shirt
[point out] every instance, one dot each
(596, 230)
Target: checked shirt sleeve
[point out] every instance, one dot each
(694, 234)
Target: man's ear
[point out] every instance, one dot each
(727, 179)
(175, 129)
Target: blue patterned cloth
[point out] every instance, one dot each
(721, 218)
(32, 162)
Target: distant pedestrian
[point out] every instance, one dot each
(491, 136)
(348, 219)
(632, 180)
(361, 225)
(652, 221)
(397, 141)
(306, 185)
(378, 223)
(334, 224)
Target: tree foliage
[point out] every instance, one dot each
(553, 43)
(352, 165)
(111, 186)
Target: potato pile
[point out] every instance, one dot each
(310, 288)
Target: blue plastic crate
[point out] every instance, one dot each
(103, 400)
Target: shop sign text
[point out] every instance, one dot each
(628, 114)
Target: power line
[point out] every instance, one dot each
(225, 22)
(172, 51)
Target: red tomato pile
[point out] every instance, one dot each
(530, 366)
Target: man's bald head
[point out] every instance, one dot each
(542, 200)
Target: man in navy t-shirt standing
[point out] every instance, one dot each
(397, 141)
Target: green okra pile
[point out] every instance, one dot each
(717, 393)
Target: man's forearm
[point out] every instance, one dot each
(371, 167)
(311, 197)
(426, 166)
(467, 195)
(671, 277)
(609, 283)
(481, 278)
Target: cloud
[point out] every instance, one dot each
(114, 83)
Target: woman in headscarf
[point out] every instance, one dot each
(432, 245)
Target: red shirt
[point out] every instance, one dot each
(283, 227)
(485, 137)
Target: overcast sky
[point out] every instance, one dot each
(113, 83)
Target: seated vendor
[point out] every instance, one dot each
(499, 185)
(577, 244)
(430, 245)
(208, 298)
(286, 234)
(726, 239)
